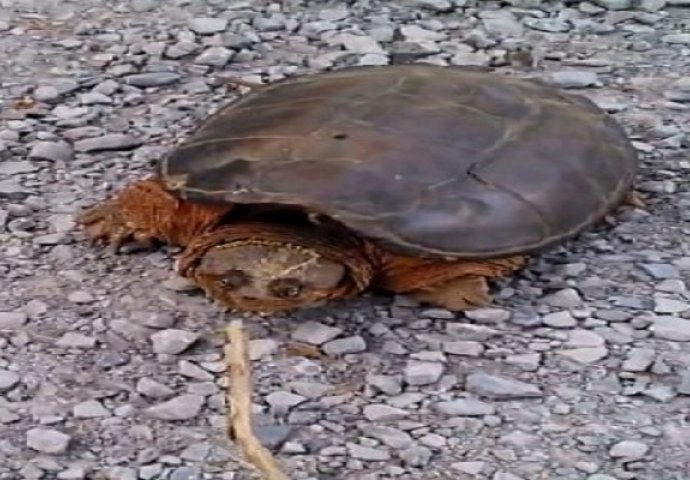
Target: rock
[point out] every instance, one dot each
(433, 5)
(12, 320)
(282, 401)
(215, 57)
(629, 450)
(172, 341)
(369, 454)
(614, 4)
(341, 346)
(8, 379)
(391, 437)
(660, 271)
(671, 328)
(469, 349)
(186, 473)
(488, 315)
(684, 386)
(584, 338)
(152, 79)
(470, 468)
(75, 340)
(182, 407)
(52, 151)
(499, 388)
(639, 360)
(357, 43)
(207, 25)
(46, 440)
(416, 456)
(90, 409)
(566, 298)
(465, 407)
(108, 142)
(573, 79)
(670, 305)
(585, 355)
(315, 333)
(383, 413)
(153, 389)
(423, 373)
(559, 320)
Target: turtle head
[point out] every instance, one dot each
(268, 268)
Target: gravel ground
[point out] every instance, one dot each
(111, 368)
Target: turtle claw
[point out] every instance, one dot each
(104, 224)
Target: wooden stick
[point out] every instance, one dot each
(239, 399)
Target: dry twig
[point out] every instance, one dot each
(239, 400)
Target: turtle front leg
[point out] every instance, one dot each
(145, 212)
(455, 285)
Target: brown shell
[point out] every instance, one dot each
(436, 161)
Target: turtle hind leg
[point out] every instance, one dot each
(146, 213)
(455, 285)
(462, 293)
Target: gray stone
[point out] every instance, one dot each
(469, 349)
(369, 454)
(52, 151)
(585, 355)
(389, 436)
(12, 320)
(46, 440)
(90, 409)
(639, 360)
(262, 347)
(388, 384)
(8, 379)
(357, 43)
(660, 271)
(153, 389)
(671, 328)
(423, 373)
(614, 4)
(75, 340)
(108, 142)
(573, 79)
(182, 407)
(282, 401)
(684, 386)
(207, 25)
(670, 305)
(500, 388)
(172, 341)
(186, 473)
(215, 57)
(383, 413)
(465, 407)
(562, 319)
(629, 450)
(341, 346)
(566, 298)
(433, 5)
(470, 468)
(488, 315)
(152, 79)
(315, 333)
(416, 456)
(677, 38)
(584, 338)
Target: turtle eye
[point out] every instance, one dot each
(286, 288)
(233, 279)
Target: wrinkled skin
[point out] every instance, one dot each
(252, 261)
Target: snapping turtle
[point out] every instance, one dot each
(414, 179)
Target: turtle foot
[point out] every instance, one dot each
(106, 224)
(463, 293)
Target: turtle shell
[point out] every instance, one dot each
(433, 161)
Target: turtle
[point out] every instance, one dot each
(426, 181)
